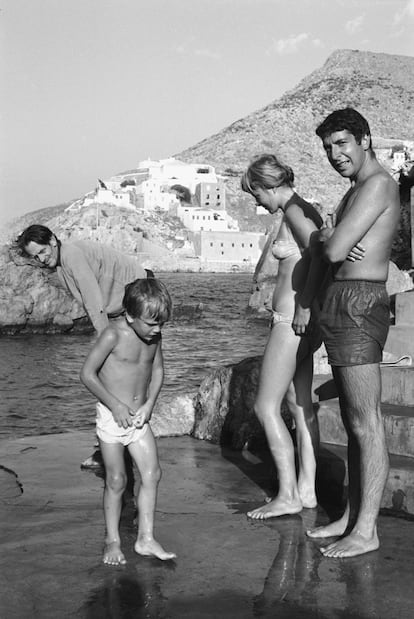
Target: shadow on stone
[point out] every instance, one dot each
(10, 486)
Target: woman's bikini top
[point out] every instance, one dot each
(284, 245)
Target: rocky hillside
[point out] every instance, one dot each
(380, 86)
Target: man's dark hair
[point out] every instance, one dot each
(346, 119)
(36, 233)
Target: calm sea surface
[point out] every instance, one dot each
(40, 391)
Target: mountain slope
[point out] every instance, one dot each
(380, 86)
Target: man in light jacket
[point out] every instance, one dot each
(93, 273)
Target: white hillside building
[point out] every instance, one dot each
(197, 219)
(172, 172)
(103, 196)
(153, 193)
(107, 196)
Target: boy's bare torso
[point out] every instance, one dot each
(127, 371)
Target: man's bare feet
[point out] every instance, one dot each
(151, 548)
(274, 508)
(113, 554)
(333, 529)
(352, 545)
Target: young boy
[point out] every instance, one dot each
(125, 371)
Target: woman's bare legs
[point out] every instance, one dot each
(115, 484)
(299, 399)
(145, 454)
(278, 369)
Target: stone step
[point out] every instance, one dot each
(332, 479)
(398, 421)
(404, 308)
(397, 385)
(400, 340)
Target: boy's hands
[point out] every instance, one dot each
(123, 415)
(142, 415)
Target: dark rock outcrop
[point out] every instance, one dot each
(224, 406)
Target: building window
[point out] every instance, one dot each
(242, 244)
(251, 244)
(221, 245)
(222, 253)
(232, 244)
(211, 244)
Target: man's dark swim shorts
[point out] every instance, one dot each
(354, 321)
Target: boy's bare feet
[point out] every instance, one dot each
(151, 548)
(274, 508)
(352, 545)
(113, 554)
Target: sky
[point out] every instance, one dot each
(92, 87)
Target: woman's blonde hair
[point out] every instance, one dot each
(267, 172)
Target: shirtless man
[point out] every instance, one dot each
(355, 321)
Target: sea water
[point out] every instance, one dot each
(40, 390)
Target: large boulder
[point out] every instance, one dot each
(173, 417)
(224, 411)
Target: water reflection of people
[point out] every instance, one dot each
(287, 367)
(299, 585)
(293, 576)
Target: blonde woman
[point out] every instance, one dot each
(287, 368)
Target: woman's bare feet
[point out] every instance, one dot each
(274, 508)
(308, 500)
(352, 545)
(113, 554)
(151, 548)
(333, 529)
(307, 496)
